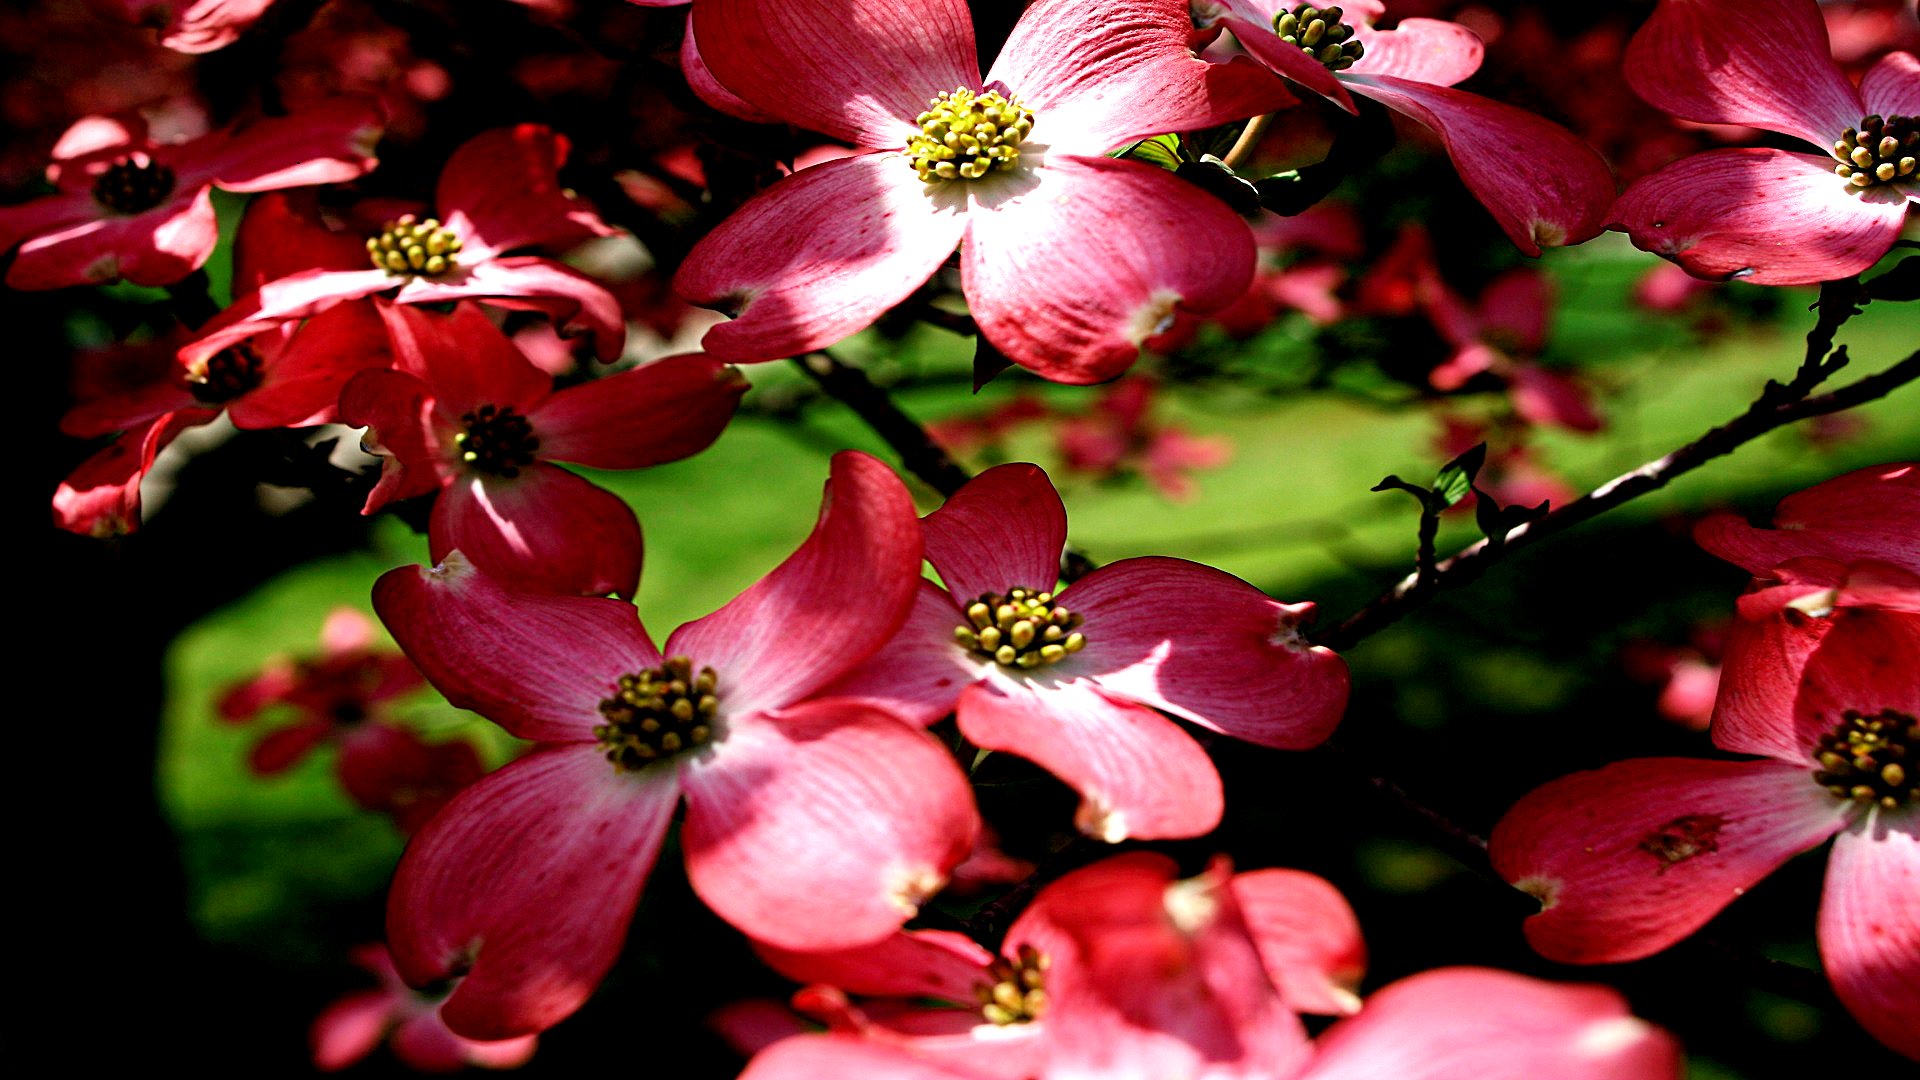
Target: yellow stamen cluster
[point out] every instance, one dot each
(1018, 991)
(657, 713)
(964, 137)
(134, 184)
(229, 374)
(1319, 33)
(1879, 151)
(1872, 759)
(409, 245)
(498, 440)
(1021, 629)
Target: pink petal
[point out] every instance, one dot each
(538, 666)
(501, 190)
(1493, 1025)
(1204, 645)
(824, 826)
(1520, 303)
(425, 1044)
(281, 235)
(158, 247)
(1554, 193)
(811, 1057)
(858, 235)
(201, 26)
(910, 964)
(1762, 63)
(1892, 86)
(1138, 775)
(327, 143)
(463, 357)
(126, 411)
(350, 1029)
(280, 750)
(1005, 529)
(101, 497)
(397, 411)
(1098, 76)
(282, 301)
(1869, 662)
(1547, 397)
(1308, 936)
(858, 70)
(1760, 674)
(1068, 267)
(1164, 981)
(301, 387)
(53, 213)
(708, 89)
(919, 674)
(1258, 38)
(1630, 858)
(829, 606)
(1871, 513)
(1870, 927)
(546, 530)
(1430, 51)
(576, 303)
(662, 411)
(1764, 216)
(524, 886)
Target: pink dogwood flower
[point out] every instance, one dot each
(1069, 259)
(1821, 679)
(130, 207)
(1500, 336)
(996, 1011)
(1139, 976)
(499, 192)
(466, 414)
(1071, 679)
(1774, 217)
(811, 823)
(1542, 184)
(353, 1027)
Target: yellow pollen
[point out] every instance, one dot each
(1882, 150)
(408, 245)
(656, 713)
(1017, 993)
(965, 137)
(1873, 760)
(1022, 629)
(1319, 33)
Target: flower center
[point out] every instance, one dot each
(1017, 993)
(133, 184)
(657, 713)
(1022, 629)
(229, 374)
(497, 440)
(1872, 759)
(1319, 33)
(964, 137)
(1879, 151)
(407, 245)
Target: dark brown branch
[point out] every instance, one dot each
(918, 452)
(1778, 406)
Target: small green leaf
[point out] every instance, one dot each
(1394, 483)
(1497, 521)
(1164, 151)
(1215, 177)
(1457, 476)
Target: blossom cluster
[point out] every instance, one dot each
(811, 749)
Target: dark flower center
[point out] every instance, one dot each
(1879, 151)
(657, 713)
(1022, 628)
(1872, 759)
(408, 245)
(133, 184)
(229, 374)
(497, 440)
(1017, 993)
(965, 137)
(1319, 33)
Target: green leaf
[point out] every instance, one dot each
(1216, 178)
(1497, 521)
(1164, 151)
(1457, 476)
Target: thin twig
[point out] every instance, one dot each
(1777, 407)
(1249, 140)
(918, 452)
